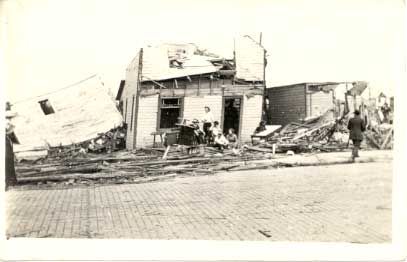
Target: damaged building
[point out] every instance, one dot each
(71, 115)
(169, 83)
(291, 103)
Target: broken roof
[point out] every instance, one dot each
(157, 62)
(80, 112)
(169, 61)
(358, 88)
(322, 85)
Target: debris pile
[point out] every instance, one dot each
(140, 166)
(317, 133)
(108, 142)
(380, 136)
(323, 133)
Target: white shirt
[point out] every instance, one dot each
(215, 130)
(221, 140)
(208, 117)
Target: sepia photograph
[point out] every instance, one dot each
(261, 121)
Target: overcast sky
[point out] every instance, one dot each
(50, 44)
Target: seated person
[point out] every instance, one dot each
(261, 127)
(215, 129)
(221, 142)
(198, 132)
(232, 138)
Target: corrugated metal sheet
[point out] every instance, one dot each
(249, 59)
(81, 112)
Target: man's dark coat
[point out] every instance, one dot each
(356, 126)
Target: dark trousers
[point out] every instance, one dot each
(206, 127)
(11, 178)
(356, 146)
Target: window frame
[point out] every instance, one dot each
(47, 110)
(160, 106)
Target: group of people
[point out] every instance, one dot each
(211, 132)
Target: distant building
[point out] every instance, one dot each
(171, 82)
(295, 102)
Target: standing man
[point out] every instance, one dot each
(207, 121)
(356, 127)
(11, 178)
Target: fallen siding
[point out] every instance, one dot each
(88, 111)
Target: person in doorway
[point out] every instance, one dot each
(261, 127)
(207, 121)
(356, 128)
(221, 142)
(231, 116)
(232, 138)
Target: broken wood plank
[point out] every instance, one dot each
(166, 152)
(258, 149)
(308, 133)
(373, 140)
(387, 139)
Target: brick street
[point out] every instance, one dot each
(344, 203)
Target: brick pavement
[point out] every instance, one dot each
(349, 203)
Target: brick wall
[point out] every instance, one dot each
(286, 104)
(147, 120)
(252, 111)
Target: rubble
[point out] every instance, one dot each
(107, 142)
(324, 133)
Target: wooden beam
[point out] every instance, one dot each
(387, 139)
(210, 85)
(199, 84)
(312, 131)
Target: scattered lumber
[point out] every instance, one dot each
(387, 139)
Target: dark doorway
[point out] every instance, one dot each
(231, 113)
